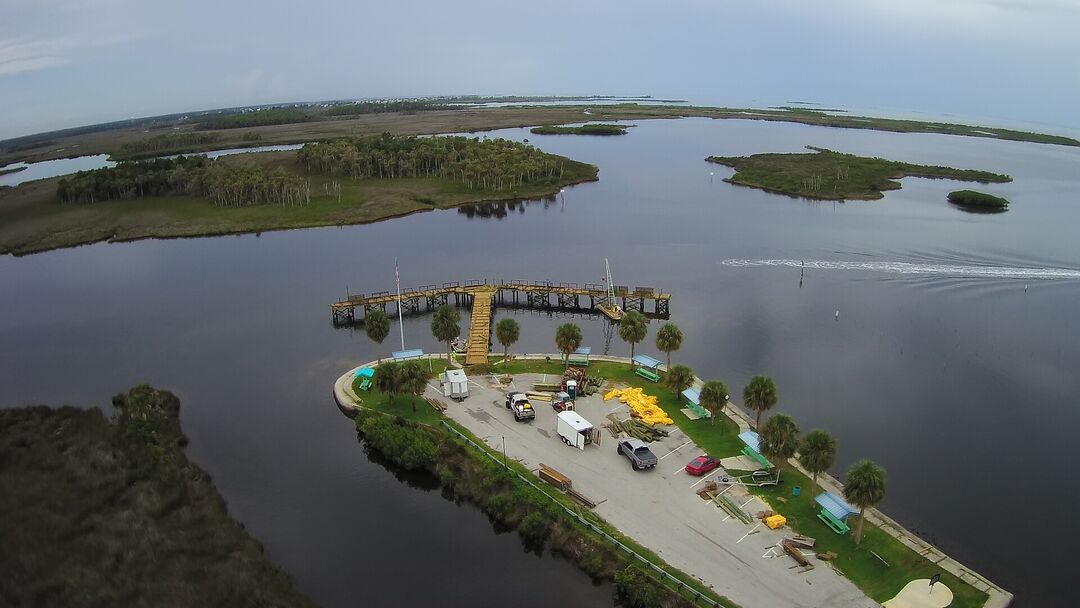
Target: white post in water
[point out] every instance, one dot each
(401, 326)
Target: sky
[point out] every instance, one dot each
(67, 63)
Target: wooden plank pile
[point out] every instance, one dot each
(436, 404)
(634, 428)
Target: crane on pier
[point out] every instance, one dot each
(610, 307)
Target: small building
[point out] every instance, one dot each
(752, 448)
(455, 384)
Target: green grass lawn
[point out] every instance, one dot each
(720, 440)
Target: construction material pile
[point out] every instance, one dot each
(634, 428)
(641, 406)
(587, 385)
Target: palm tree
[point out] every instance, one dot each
(567, 339)
(865, 487)
(669, 339)
(444, 326)
(679, 378)
(714, 396)
(778, 440)
(377, 326)
(633, 328)
(817, 452)
(412, 379)
(507, 331)
(388, 378)
(759, 395)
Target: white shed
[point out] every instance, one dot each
(455, 384)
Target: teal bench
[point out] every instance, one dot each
(835, 524)
(365, 384)
(751, 454)
(700, 411)
(648, 375)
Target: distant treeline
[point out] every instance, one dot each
(257, 118)
(589, 129)
(169, 141)
(491, 164)
(379, 107)
(222, 184)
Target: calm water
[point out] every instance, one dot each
(962, 386)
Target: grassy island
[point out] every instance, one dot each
(591, 129)
(827, 175)
(15, 170)
(337, 182)
(980, 201)
(101, 512)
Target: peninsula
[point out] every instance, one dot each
(110, 512)
(341, 182)
(828, 175)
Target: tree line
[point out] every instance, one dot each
(489, 164)
(380, 107)
(168, 141)
(224, 185)
(257, 118)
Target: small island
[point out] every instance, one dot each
(109, 511)
(591, 129)
(828, 175)
(13, 170)
(972, 200)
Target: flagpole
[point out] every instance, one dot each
(401, 326)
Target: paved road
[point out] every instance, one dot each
(659, 508)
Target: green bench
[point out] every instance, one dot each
(700, 411)
(751, 454)
(577, 361)
(647, 374)
(365, 384)
(835, 524)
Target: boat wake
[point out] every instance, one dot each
(906, 268)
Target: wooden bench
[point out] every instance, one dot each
(647, 374)
(834, 524)
(554, 477)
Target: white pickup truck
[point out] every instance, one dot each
(519, 404)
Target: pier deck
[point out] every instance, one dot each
(483, 296)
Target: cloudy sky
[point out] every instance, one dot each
(71, 62)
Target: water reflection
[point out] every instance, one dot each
(502, 209)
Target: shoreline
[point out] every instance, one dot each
(115, 237)
(482, 119)
(997, 597)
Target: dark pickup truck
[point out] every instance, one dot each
(641, 457)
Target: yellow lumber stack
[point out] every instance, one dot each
(642, 406)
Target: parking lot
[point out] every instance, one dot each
(659, 508)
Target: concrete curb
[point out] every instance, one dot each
(349, 404)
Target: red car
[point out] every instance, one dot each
(702, 464)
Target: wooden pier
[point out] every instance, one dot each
(482, 296)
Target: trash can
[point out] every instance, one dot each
(796, 491)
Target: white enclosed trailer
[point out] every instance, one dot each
(575, 430)
(455, 384)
